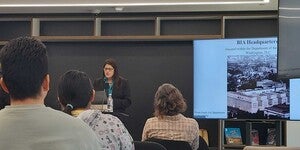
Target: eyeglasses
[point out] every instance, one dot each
(108, 69)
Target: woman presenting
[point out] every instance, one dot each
(114, 85)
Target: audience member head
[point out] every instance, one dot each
(75, 91)
(24, 65)
(168, 101)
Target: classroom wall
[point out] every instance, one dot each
(146, 65)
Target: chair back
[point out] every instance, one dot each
(147, 145)
(172, 145)
(270, 148)
(202, 144)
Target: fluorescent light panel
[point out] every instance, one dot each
(138, 4)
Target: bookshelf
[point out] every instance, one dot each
(102, 29)
(73, 28)
(266, 130)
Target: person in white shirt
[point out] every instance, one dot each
(27, 124)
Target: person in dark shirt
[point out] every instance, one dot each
(112, 83)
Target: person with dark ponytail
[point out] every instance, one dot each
(75, 94)
(168, 122)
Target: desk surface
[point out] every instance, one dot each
(103, 109)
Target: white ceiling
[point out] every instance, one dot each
(119, 6)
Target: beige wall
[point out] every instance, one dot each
(293, 133)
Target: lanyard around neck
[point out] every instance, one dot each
(110, 86)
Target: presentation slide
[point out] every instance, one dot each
(294, 99)
(210, 79)
(237, 79)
